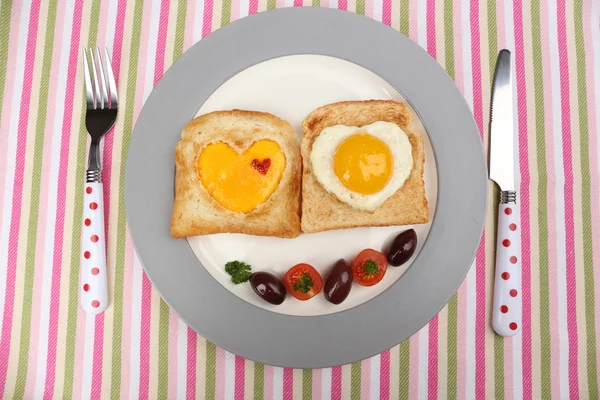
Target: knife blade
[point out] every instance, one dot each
(502, 163)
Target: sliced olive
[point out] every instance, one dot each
(402, 248)
(339, 282)
(268, 286)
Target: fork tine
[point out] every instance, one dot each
(89, 93)
(102, 80)
(99, 103)
(110, 77)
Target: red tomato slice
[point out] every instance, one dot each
(303, 281)
(369, 267)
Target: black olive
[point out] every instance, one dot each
(268, 286)
(339, 282)
(402, 248)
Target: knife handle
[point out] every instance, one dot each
(506, 314)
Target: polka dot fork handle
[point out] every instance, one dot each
(93, 285)
(506, 314)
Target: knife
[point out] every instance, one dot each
(507, 308)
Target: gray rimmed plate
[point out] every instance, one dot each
(337, 338)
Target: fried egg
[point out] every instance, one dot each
(362, 166)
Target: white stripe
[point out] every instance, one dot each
(423, 362)
(277, 383)
(181, 359)
(517, 341)
(88, 356)
(244, 8)
(422, 23)
(42, 355)
(198, 21)
(375, 377)
(111, 25)
(136, 329)
(378, 10)
(229, 375)
(11, 154)
(326, 384)
(470, 281)
(151, 48)
(289, 3)
(561, 262)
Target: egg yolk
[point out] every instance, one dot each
(240, 182)
(363, 163)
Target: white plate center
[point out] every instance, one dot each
(291, 87)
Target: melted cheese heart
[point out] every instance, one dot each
(240, 182)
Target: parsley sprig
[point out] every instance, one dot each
(304, 284)
(371, 267)
(240, 272)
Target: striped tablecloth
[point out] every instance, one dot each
(138, 348)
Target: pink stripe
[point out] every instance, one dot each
(79, 350)
(343, 5)
(253, 7)
(413, 29)
(431, 39)
(97, 366)
(173, 352)
(192, 338)
(40, 253)
(524, 198)
(336, 383)
(589, 19)
(480, 317)
(268, 390)
(509, 389)
(18, 193)
(235, 10)
(61, 200)
(413, 373)
(220, 374)
(384, 376)
(369, 8)
(551, 211)
(127, 318)
(288, 383)
(297, 3)
(571, 269)
(207, 21)
(317, 384)
(365, 378)
(188, 35)
(11, 63)
(458, 47)
(500, 21)
(240, 376)
(433, 359)
(161, 42)
(387, 12)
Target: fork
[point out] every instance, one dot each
(102, 105)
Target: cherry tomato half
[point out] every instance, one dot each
(369, 267)
(303, 281)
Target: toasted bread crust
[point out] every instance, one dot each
(322, 210)
(195, 212)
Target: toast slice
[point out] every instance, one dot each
(321, 210)
(196, 212)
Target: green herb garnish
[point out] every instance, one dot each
(240, 272)
(371, 267)
(304, 283)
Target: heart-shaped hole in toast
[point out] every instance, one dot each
(240, 182)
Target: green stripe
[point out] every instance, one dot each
(355, 381)
(180, 29)
(271, 4)
(38, 151)
(163, 350)
(307, 384)
(211, 370)
(498, 340)
(404, 17)
(403, 370)
(453, 304)
(316, 3)
(226, 13)
(360, 7)
(5, 11)
(586, 206)
(121, 222)
(544, 311)
(77, 218)
(259, 381)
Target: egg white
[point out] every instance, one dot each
(326, 144)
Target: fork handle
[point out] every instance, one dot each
(506, 314)
(94, 288)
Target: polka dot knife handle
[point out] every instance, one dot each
(506, 314)
(94, 290)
